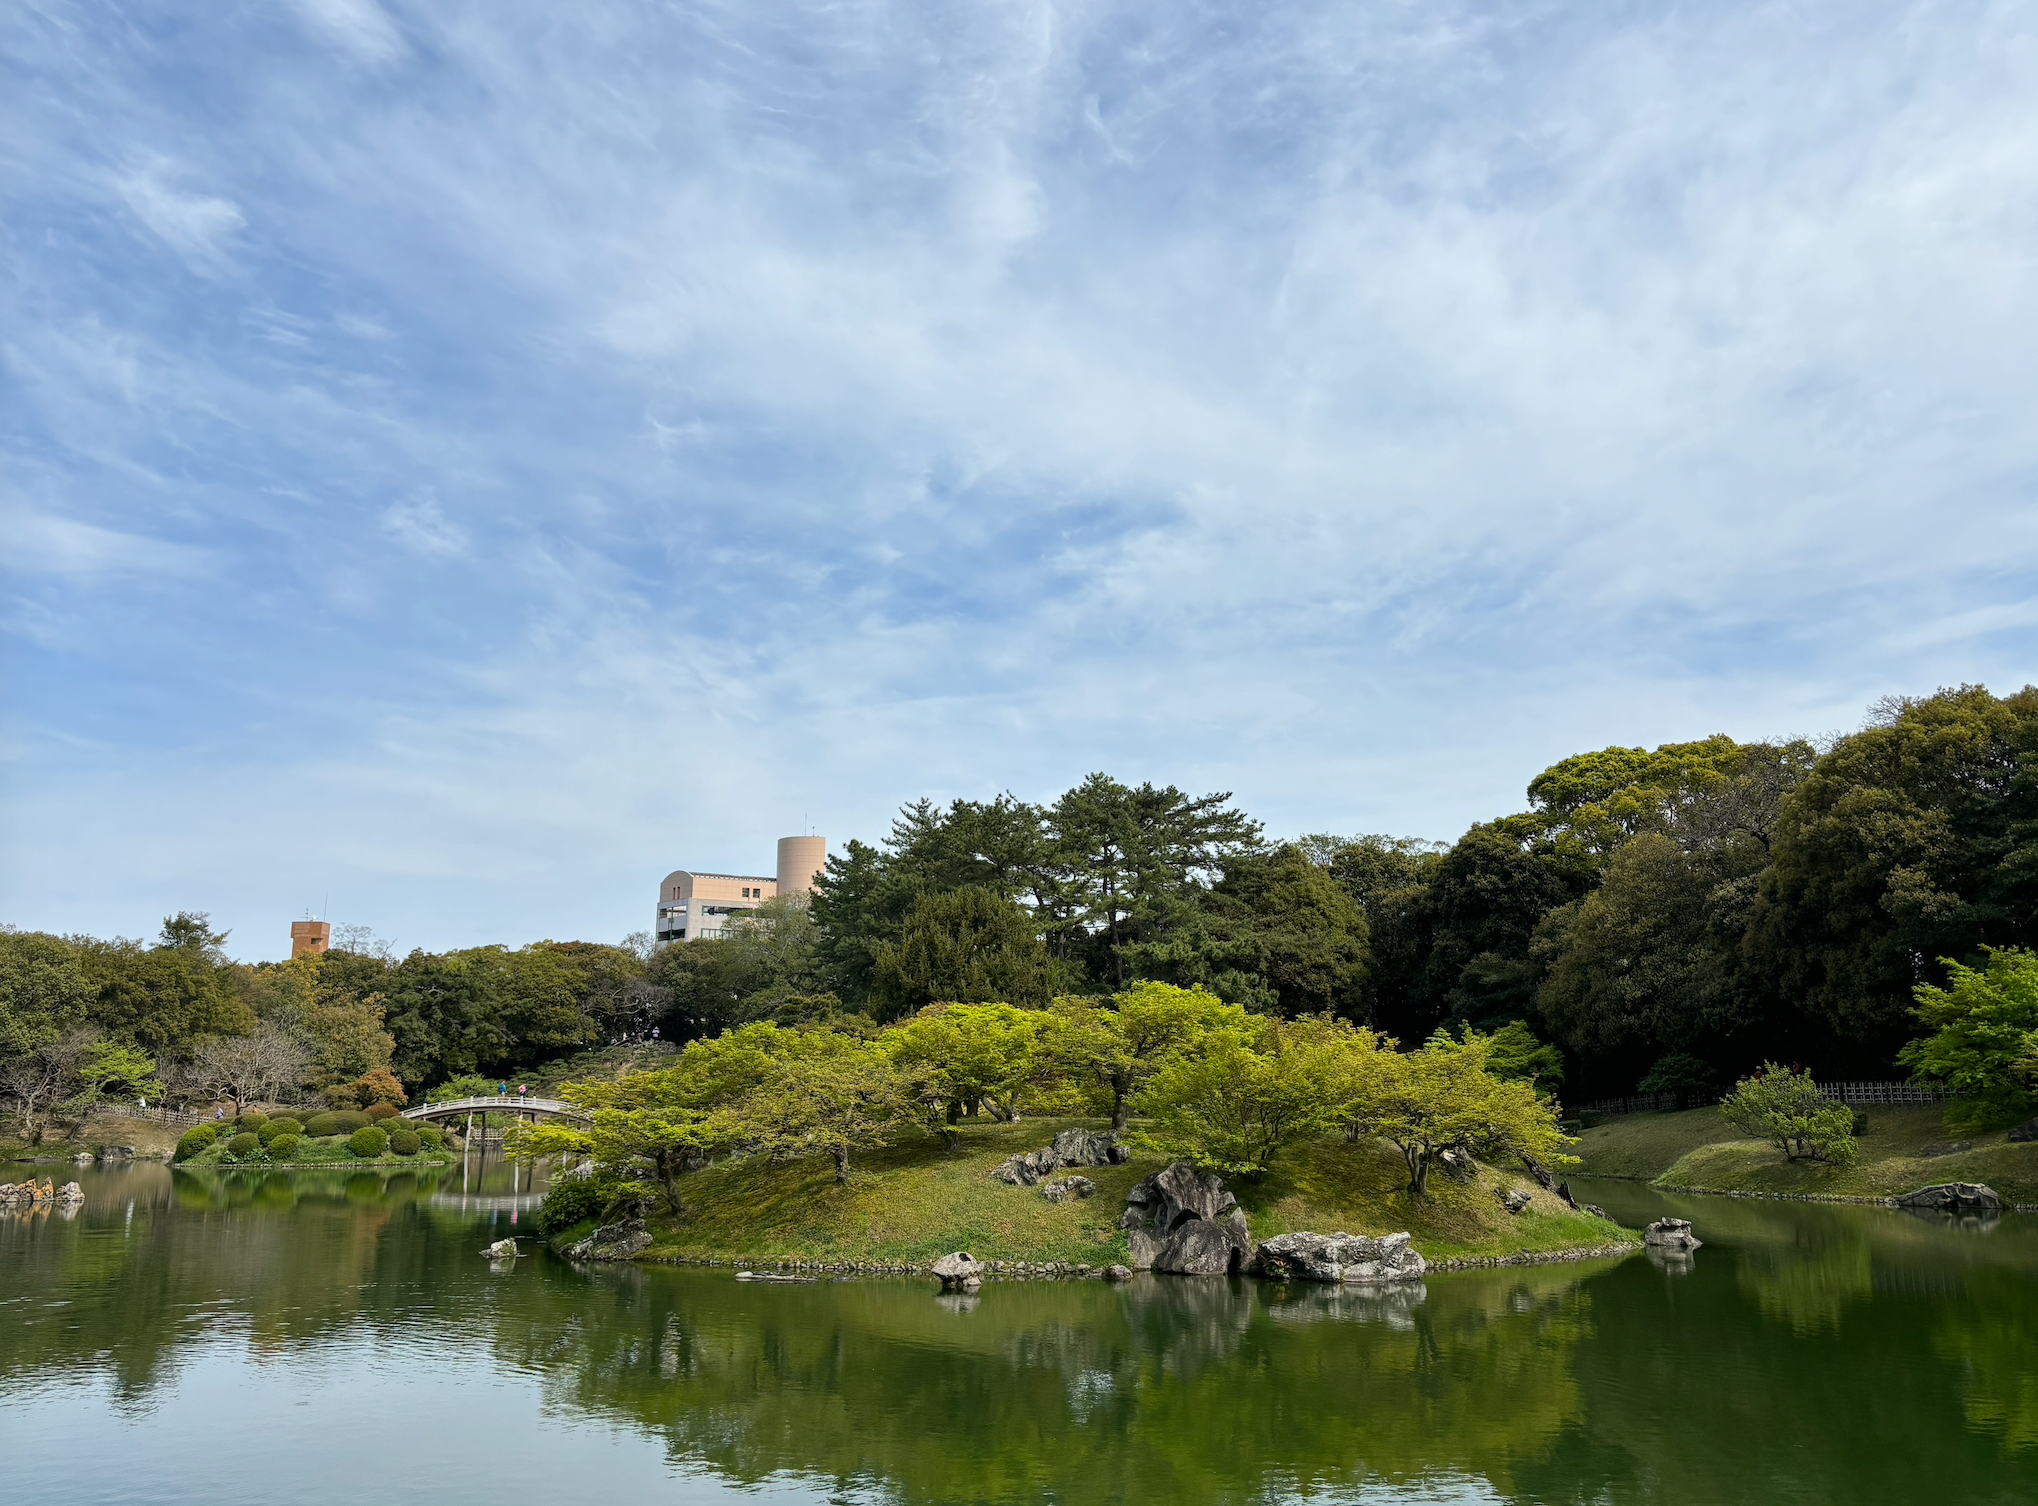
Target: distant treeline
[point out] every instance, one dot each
(1674, 916)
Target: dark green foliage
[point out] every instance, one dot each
(346, 1121)
(253, 1121)
(368, 1142)
(968, 946)
(192, 1141)
(245, 1146)
(1694, 1082)
(430, 1135)
(573, 1201)
(404, 1142)
(282, 1124)
(318, 1126)
(284, 1146)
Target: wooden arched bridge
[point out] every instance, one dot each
(497, 1103)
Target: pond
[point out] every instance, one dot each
(314, 1338)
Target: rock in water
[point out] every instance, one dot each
(1356, 1258)
(70, 1195)
(620, 1241)
(1202, 1248)
(1671, 1234)
(502, 1249)
(1953, 1197)
(959, 1272)
(1182, 1221)
(1068, 1187)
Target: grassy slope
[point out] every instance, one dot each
(916, 1201)
(1699, 1150)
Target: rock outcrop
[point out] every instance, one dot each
(70, 1195)
(1671, 1234)
(1068, 1187)
(1183, 1222)
(959, 1272)
(1515, 1199)
(619, 1241)
(30, 1192)
(1357, 1258)
(2024, 1133)
(502, 1249)
(1953, 1197)
(1072, 1147)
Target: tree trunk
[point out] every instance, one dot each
(841, 1166)
(1121, 1109)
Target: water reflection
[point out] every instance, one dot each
(1810, 1354)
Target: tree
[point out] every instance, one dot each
(1442, 1097)
(1122, 1048)
(829, 1094)
(108, 1069)
(38, 1077)
(761, 962)
(1693, 1081)
(1232, 1104)
(1513, 1054)
(1786, 1109)
(971, 1054)
(966, 946)
(1984, 1039)
(249, 1068)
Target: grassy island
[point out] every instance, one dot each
(1901, 1149)
(916, 1200)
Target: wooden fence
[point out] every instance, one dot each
(1840, 1092)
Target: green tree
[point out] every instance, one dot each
(756, 969)
(1442, 1097)
(1984, 1039)
(965, 946)
(1786, 1109)
(972, 1055)
(1120, 1049)
(1237, 1100)
(829, 1094)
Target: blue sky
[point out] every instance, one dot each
(466, 460)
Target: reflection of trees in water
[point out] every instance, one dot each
(1989, 1337)
(1166, 1388)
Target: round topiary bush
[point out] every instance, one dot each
(192, 1141)
(318, 1126)
(404, 1142)
(368, 1142)
(252, 1121)
(284, 1147)
(281, 1125)
(431, 1135)
(349, 1120)
(245, 1146)
(381, 1111)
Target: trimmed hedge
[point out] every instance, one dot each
(284, 1146)
(430, 1134)
(252, 1121)
(282, 1125)
(318, 1126)
(378, 1112)
(349, 1120)
(368, 1142)
(244, 1146)
(404, 1142)
(192, 1141)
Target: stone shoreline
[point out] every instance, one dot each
(1803, 1197)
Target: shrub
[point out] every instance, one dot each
(349, 1120)
(368, 1142)
(379, 1086)
(318, 1126)
(252, 1121)
(1693, 1081)
(430, 1134)
(283, 1125)
(572, 1202)
(377, 1112)
(284, 1146)
(192, 1141)
(245, 1146)
(1860, 1124)
(1786, 1109)
(404, 1142)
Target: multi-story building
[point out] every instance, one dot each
(697, 906)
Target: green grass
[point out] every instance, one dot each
(1699, 1150)
(331, 1150)
(915, 1201)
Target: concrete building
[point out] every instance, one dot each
(309, 936)
(697, 906)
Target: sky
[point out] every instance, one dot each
(465, 460)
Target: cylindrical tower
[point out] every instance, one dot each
(800, 861)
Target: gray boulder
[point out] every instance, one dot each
(1171, 1197)
(619, 1241)
(1081, 1147)
(1200, 1247)
(1953, 1197)
(959, 1272)
(502, 1249)
(1516, 1199)
(1671, 1234)
(1330, 1258)
(70, 1194)
(1068, 1187)
(1182, 1221)
(112, 1154)
(2025, 1133)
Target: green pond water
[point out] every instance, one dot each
(327, 1338)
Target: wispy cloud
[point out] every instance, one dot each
(608, 441)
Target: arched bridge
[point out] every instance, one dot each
(496, 1103)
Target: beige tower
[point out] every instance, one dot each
(800, 862)
(309, 936)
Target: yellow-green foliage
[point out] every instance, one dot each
(1700, 1150)
(917, 1200)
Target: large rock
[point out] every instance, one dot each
(2024, 1133)
(1953, 1197)
(1072, 1147)
(1199, 1247)
(1182, 1221)
(959, 1271)
(502, 1249)
(1357, 1258)
(1671, 1234)
(1068, 1187)
(70, 1194)
(109, 1154)
(1171, 1197)
(622, 1241)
